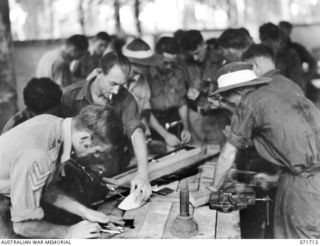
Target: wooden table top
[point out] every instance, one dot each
(154, 219)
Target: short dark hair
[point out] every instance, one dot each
(191, 39)
(103, 36)
(285, 24)
(167, 45)
(111, 59)
(269, 31)
(258, 50)
(42, 94)
(233, 38)
(80, 42)
(213, 43)
(102, 122)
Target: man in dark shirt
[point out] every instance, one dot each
(262, 59)
(286, 59)
(304, 54)
(84, 66)
(284, 127)
(105, 86)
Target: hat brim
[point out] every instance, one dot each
(257, 81)
(150, 61)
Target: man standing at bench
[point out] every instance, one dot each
(106, 86)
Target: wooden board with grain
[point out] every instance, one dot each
(154, 220)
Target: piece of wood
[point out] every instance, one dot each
(228, 225)
(166, 165)
(155, 220)
(206, 220)
(199, 198)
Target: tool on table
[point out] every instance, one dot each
(106, 228)
(184, 225)
(236, 196)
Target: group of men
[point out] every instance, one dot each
(227, 91)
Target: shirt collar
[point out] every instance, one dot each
(85, 92)
(271, 72)
(66, 138)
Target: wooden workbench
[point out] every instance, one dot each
(154, 219)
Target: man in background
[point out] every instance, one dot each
(286, 59)
(41, 96)
(84, 66)
(55, 64)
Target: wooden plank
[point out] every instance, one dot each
(173, 214)
(206, 219)
(155, 220)
(166, 165)
(199, 198)
(228, 225)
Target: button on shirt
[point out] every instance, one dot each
(78, 95)
(28, 160)
(284, 127)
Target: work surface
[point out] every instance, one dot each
(154, 219)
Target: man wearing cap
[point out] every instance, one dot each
(142, 58)
(106, 86)
(284, 127)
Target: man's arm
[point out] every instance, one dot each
(59, 199)
(140, 184)
(224, 164)
(169, 138)
(43, 229)
(183, 113)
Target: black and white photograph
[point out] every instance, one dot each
(159, 119)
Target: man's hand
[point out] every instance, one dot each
(214, 102)
(171, 140)
(266, 181)
(84, 229)
(141, 188)
(99, 217)
(185, 136)
(193, 93)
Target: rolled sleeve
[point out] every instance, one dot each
(29, 176)
(242, 123)
(131, 117)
